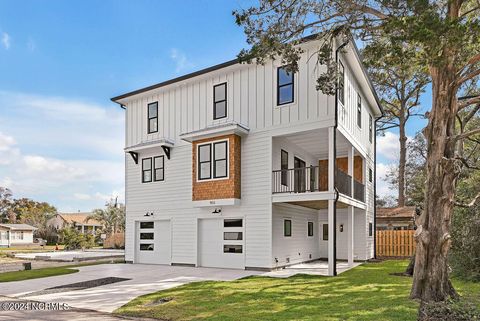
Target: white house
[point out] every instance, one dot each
(16, 235)
(233, 166)
(79, 221)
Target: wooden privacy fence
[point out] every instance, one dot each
(395, 243)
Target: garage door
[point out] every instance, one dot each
(153, 245)
(221, 243)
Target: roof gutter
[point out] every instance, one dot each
(337, 194)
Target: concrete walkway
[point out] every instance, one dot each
(313, 268)
(69, 256)
(143, 279)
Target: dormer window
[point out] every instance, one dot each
(152, 117)
(285, 86)
(220, 101)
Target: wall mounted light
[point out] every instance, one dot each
(217, 211)
(341, 227)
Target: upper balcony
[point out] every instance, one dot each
(301, 170)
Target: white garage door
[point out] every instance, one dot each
(221, 243)
(153, 245)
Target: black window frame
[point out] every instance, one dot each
(292, 83)
(370, 229)
(233, 246)
(219, 160)
(370, 128)
(213, 161)
(285, 223)
(155, 168)
(325, 232)
(359, 110)
(239, 236)
(148, 170)
(150, 118)
(284, 168)
(147, 225)
(232, 222)
(310, 228)
(215, 102)
(370, 175)
(341, 82)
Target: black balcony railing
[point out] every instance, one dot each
(310, 179)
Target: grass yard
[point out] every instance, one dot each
(44, 272)
(367, 292)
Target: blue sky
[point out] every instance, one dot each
(61, 138)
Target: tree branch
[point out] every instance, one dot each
(467, 134)
(470, 204)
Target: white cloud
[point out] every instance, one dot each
(6, 40)
(9, 153)
(6, 142)
(181, 61)
(383, 189)
(389, 146)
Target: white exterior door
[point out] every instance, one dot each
(153, 242)
(221, 243)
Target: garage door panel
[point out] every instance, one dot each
(153, 242)
(212, 246)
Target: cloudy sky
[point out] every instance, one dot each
(61, 138)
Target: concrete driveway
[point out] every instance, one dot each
(106, 298)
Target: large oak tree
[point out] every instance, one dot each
(445, 38)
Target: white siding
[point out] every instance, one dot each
(298, 247)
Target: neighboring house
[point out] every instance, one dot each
(78, 221)
(233, 166)
(396, 218)
(16, 235)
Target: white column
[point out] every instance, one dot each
(331, 229)
(350, 236)
(331, 189)
(351, 153)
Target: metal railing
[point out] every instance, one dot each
(310, 179)
(358, 191)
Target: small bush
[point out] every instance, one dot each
(450, 310)
(73, 239)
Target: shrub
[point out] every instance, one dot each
(450, 310)
(73, 239)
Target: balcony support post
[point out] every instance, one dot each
(331, 204)
(350, 236)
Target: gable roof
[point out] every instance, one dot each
(79, 218)
(18, 227)
(396, 212)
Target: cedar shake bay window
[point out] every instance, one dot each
(220, 101)
(284, 86)
(213, 160)
(152, 117)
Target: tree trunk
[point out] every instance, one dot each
(430, 279)
(402, 162)
(411, 266)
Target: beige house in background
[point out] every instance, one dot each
(77, 220)
(396, 218)
(16, 234)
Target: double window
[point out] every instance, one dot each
(152, 117)
(212, 160)
(341, 82)
(153, 169)
(220, 101)
(359, 110)
(285, 86)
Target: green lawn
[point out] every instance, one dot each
(367, 292)
(44, 272)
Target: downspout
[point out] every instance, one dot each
(337, 194)
(375, 186)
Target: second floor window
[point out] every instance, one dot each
(212, 160)
(370, 128)
(158, 168)
(284, 86)
(284, 168)
(341, 82)
(152, 117)
(359, 110)
(220, 101)
(146, 170)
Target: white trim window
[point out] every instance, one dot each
(212, 160)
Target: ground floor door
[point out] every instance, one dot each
(221, 243)
(153, 242)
